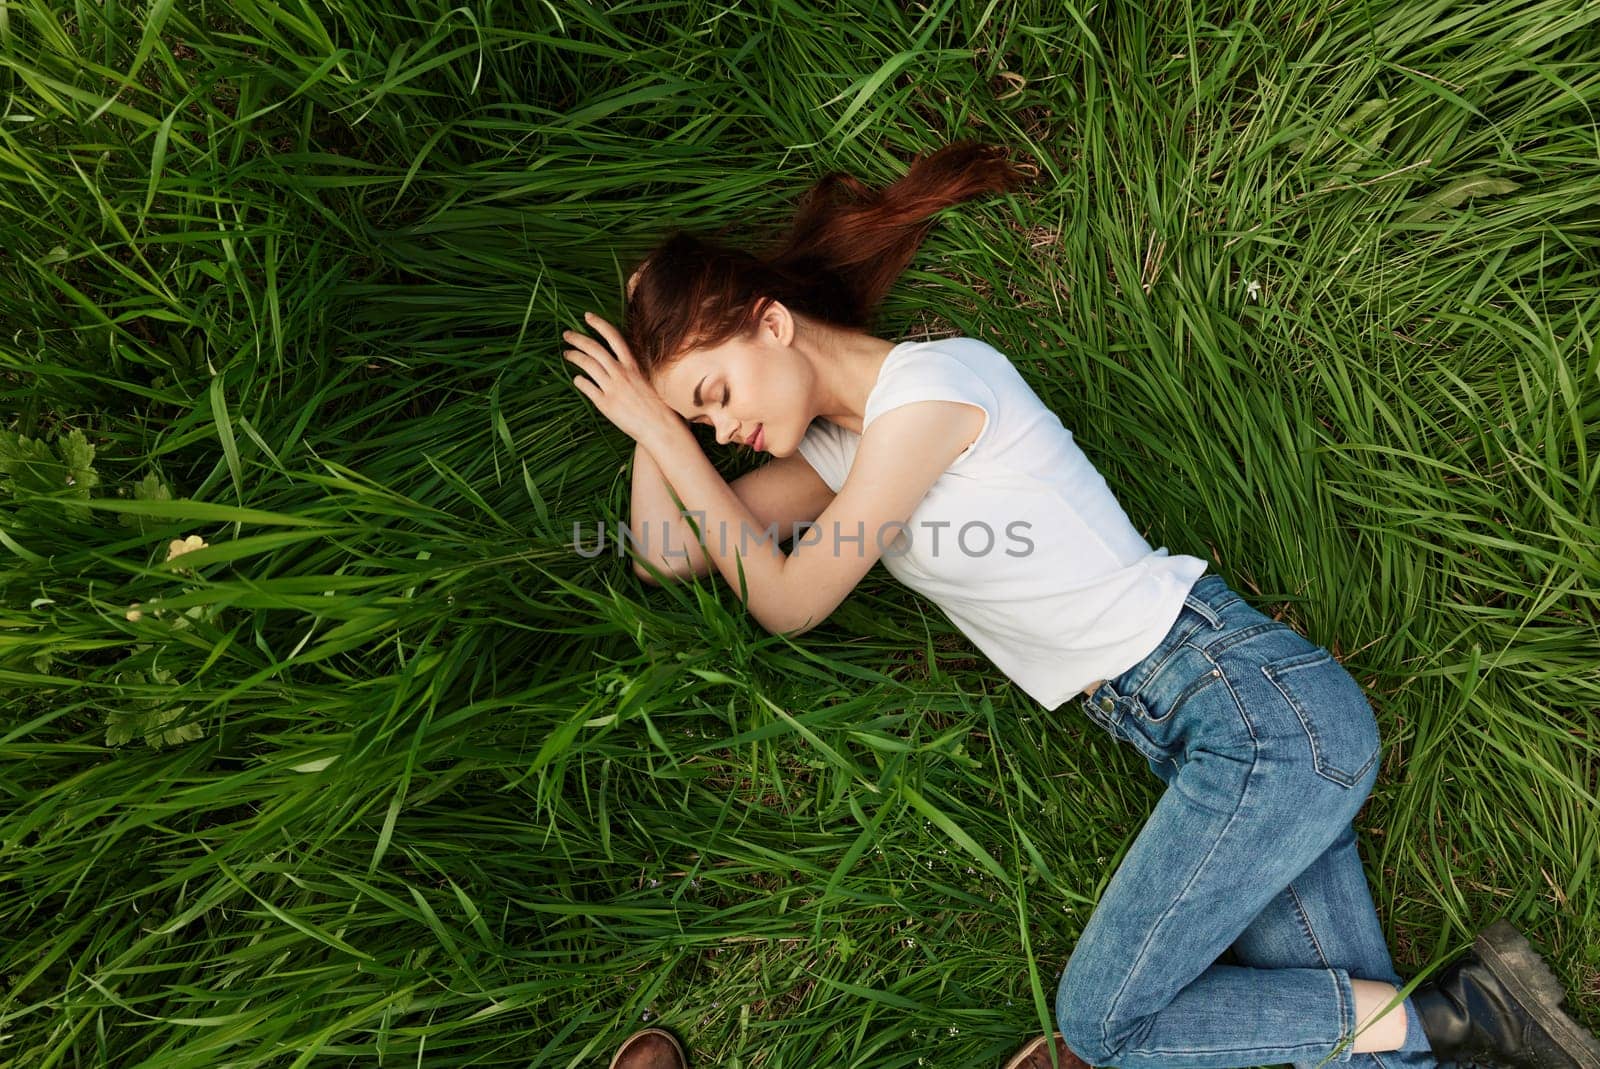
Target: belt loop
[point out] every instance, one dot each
(1204, 610)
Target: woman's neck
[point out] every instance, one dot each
(848, 366)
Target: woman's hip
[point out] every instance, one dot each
(1228, 677)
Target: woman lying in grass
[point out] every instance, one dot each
(938, 458)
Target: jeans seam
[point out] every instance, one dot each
(1316, 944)
(1156, 669)
(1233, 638)
(1222, 677)
(1347, 1016)
(1210, 619)
(1310, 1048)
(1305, 922)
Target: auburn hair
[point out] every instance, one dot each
(844, 249)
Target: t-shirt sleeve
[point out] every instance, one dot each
(935, 376)
(827, 448)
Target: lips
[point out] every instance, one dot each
(759, 438)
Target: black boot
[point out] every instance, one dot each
(1497, 1004)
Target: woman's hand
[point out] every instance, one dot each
(616, 385)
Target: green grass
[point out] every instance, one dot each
(397, 778)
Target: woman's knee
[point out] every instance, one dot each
(1081, 1014)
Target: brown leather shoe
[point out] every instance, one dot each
(1036, 1055)
(652, 1048)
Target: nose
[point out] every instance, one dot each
(724, 433)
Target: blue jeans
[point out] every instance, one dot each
(1268, 748)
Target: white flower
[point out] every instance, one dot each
(134, 613)
(1252, 290)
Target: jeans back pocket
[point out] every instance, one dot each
(1332, 709)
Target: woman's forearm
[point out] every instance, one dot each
(660, 533)
(747, 556)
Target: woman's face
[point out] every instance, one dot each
(754, 392)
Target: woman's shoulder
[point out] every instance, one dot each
(981, 358)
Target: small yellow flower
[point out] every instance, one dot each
(188, 545)
(178, 548)
(133, 612)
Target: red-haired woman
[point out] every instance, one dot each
(938, 458)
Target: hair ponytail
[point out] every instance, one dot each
(844, 249)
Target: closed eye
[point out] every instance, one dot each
(726, 393)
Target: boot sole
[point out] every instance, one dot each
(1515, 963)
(670, 1038)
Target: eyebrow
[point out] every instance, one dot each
(697, 402)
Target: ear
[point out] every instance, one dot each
(779, 322)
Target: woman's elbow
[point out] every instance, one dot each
(792, 624)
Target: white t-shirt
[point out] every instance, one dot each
(1020, 542)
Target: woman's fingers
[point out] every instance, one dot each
(613, 338)
(587, 346)
(589, 363)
